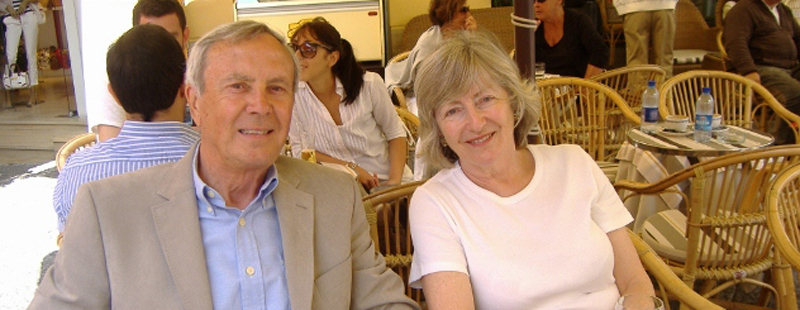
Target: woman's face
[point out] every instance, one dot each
(546, 10)
(460, 17)
(479, 125)
(319, 63)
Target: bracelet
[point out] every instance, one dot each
(351, 165)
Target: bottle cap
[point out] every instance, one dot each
(707, 90)
(651, 83)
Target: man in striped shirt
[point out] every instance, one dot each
(145, 69)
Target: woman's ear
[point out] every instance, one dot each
(333, 58)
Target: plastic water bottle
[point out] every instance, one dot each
(650, 108)
(704, 110)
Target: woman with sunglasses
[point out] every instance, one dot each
(345, 111)
(567, 41)
(447, 17)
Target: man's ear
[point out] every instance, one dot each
(186, 38)
(113, 94)
(190, 92)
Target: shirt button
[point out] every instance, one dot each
(241, 222)
(210, 193)
(210, 210)
(250, 271)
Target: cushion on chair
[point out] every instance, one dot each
(682, 57)
(610, 169)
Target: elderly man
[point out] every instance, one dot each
(106, 117)
(762, 40)
(232, 225)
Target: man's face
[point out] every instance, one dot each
(245, 109)
(171, 23)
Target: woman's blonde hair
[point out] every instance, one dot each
(467, 60)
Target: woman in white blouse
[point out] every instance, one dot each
(343, 113)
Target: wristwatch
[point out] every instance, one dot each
(351, 165)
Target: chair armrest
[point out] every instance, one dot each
(664, 275)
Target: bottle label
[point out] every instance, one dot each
(650, 115)
(702, 122)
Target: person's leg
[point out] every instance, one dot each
(30, 29)
(13, 31)
(664, 38)
(786, 90)
(636, 26)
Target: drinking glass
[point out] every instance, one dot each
(538, 69)
(307, 143)
(639, 302)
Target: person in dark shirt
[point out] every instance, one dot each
(567, 42)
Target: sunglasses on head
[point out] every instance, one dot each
(308, 49)
(464, 9)
(540, 1)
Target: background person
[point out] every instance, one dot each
(503, 215)
(21, 20)
(567, 41)
(649, 26)
(107, 117)
(345, 110)
(447, 17)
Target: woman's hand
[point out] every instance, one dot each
(366, 179)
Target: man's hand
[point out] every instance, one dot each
(10, 9)
(754, 76)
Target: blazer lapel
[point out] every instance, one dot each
(296, 218)
(178, 228)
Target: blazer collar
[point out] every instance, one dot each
(178, 228)
(296, 216)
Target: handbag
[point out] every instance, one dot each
(13, 79)
(41, 17)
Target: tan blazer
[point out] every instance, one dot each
(133, 242)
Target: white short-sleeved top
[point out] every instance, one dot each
(367, 126)
(545, 247)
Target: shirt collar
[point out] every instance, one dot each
(138, 129)
(208, 197)
(339, 87)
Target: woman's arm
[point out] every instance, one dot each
(448, 290)
(628, 271)
(397, 160)
(591, 71)
(368, 180)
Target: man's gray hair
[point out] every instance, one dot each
(467, 60)
(229, 33)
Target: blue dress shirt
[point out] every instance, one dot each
(244, 251)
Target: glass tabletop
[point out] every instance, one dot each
(731, 139)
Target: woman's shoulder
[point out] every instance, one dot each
(562, 152)
(372, 77)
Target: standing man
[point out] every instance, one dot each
(106, 116)
(649, 25)
(762, 39)
(232, 225)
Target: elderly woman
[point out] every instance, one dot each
(447, 17)
(506, 225)
(567, 41)
(345, 110)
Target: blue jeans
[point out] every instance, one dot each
(784, 84)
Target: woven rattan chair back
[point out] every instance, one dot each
(630, 82)
(398, 94)
(784, 214)
(393, 237)
(582, 112)
(734, 96)
(72, 146)
(726, 233)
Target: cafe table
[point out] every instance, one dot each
(649, 158)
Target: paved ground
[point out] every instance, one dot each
(27, 229)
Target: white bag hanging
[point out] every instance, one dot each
(13, 79)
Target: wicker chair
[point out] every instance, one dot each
(733, 94)
(496, 20)
(72, 146)
(631, 81)
(586, 113)
(693, 37)
(411, 123)
(669, 283)
(398, 94)
(393, 236)
(612, 26)
(784, 215)
(723, 235)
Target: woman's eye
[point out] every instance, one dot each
(488, 98)
(451, 112)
